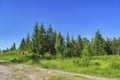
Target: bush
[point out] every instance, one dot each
(47, 56)
(105, 66)
(85, 57)
(115, 65)
(58, 56)
(18, 60)
(83, 62)
(76, 62)
(34, 56)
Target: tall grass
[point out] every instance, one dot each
(105, 66)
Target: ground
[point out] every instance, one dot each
(14, 71)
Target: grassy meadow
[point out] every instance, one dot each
(104, 66)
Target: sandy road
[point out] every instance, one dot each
(13, 71)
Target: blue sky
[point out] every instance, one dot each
(84, 17)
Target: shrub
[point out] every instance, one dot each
(35, 57)
(47, 56)
(85, 61)
(105, 66)
(58, 56)
(18, 60)
(76, 62)
(85, 57)
(115, 65)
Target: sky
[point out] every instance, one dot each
(77, 17)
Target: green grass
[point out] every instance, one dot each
(104, 66)
(58, 78)
(66, 78)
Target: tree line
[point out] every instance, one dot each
(51, 44)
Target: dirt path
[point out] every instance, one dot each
(12, 71)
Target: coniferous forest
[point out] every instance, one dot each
(50, 43)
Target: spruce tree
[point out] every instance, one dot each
(59, 44)
(42, 40)
(49, 38)
(13, 47)
(73, 47)
(54, 35)
(85, 42)
(118, 46)
(28, 44)
(115, 45)
(99, 44)
(22, 47)
(67, 47)
(79, 45)
(35, 39)
(108, 46)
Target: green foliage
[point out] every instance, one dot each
(35, 39)
(99, 44)
(106, 66)
(43, 41)
(59, 43)
(66, 78)
(85, 57)
(47, 56)
(28, 44)
(18, 60)
(84, 61)
(35, 57)
(58, 78)
(81, 53)
(115, 65)
(13, 47)
(79, 46)
(22, 47)
(58, 56)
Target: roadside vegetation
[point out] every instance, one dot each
(49, 49)
(103, 66)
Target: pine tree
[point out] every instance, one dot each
(49, 38)
(115, 46)
(22, 47)
(85, 42)
(73, 48)
(13, 47)
(67, 47)
(35, 39)
(91, 48)
(99, 43)
(118, 46)
(108, 46)
(54, 35)
(59, 44)
(28, 44)
(79, 45)
(42, 40)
